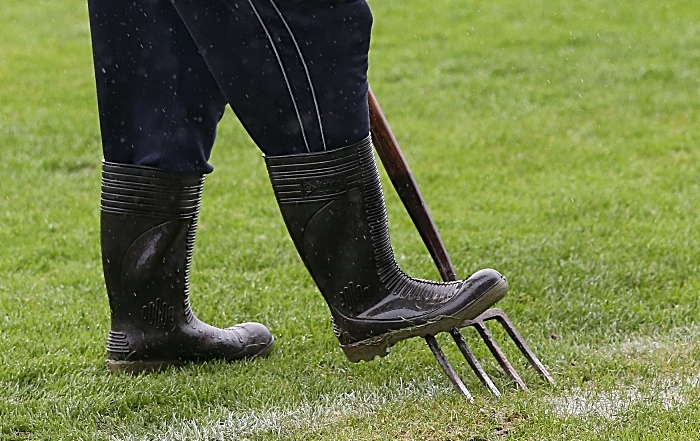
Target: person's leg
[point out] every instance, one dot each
(158, 103)
(333, 206)
(148, 224)
(293, 71)
(159, 107)
(299, 85)
(295, 74)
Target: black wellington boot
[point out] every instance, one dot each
(333, 206)
(148, 223)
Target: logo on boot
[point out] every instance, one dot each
(322, 187)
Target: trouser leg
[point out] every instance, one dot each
(295, 74)
(158, 103)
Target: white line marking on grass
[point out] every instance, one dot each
(232, 425)
(667, 393)
(676, 339)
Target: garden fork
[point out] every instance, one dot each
(402, 179)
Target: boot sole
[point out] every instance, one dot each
(367, 350)
(137, 367)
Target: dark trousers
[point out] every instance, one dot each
(293, 71)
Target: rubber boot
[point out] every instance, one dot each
(333, 206)
(148, 223)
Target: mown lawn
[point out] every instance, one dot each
(553, 140)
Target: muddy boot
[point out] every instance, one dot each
(333, 206)
(148, 223)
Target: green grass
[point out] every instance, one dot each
(553, 140)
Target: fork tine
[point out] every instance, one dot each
(473, 362)
(497, 352)
(502, 318)
(447, 367)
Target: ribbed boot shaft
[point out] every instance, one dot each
(128, 189)
(316, 177)
(388, 270)
(334, 208)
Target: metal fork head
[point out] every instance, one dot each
(479, 324)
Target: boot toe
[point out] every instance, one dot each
(256, 339)
(480, 291)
